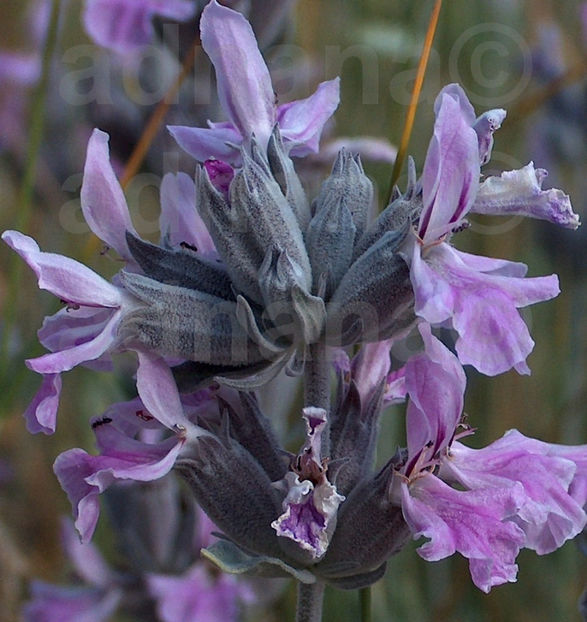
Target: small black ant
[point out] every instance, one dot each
(99, 422)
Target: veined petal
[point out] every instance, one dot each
(301, 121)
(84, 477)
(578, 455)
(102, 199)
(71, 327)
(311, 504)
(130, 458)
(65, 360)
(549, 515)
(451, 171)
(520, 193)
(308, 511)
(71, 467)
(132, 418)
(203, 143)
(481, 306)
(64, 277)
(492, 335)
(474, 523)
(485, 126)
(522, 291)
(220, 174)
(491, 265)
(457, 93)
(244, 85)
(434, 297)
(395, 387)
(435, 382)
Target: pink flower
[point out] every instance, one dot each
(476, 296)
(516, 493)
(247, 97)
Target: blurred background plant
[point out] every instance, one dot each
(528, 57)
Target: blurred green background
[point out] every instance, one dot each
(499, 51)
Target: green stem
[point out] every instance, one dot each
(365, 601)
(25, 199)
(310, 600)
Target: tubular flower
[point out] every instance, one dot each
(86, 330)
(247, 97)
(82, 332)
(127, 452)
(476, 296)
(516, 493)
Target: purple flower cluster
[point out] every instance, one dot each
(249, 278)
(165, 575)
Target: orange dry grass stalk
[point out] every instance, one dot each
(411, 115)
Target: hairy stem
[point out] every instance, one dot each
(317, 386)
(310, 599)
(317, 378)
